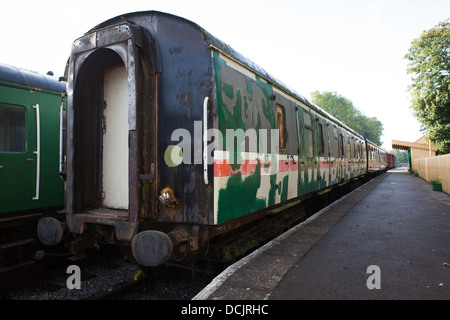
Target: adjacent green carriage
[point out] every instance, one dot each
(31, 107)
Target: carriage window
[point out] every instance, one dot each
(309, 136)
(281, 125)
(341, 142)
(308, 120)
(349, 151)
(12, 130)
(321, 142)
(352, 148)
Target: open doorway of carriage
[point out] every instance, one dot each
(101, 133)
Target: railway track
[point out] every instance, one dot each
(18, 241)
(37, 273)
(20, 257)
(163, 283)
(114, 279)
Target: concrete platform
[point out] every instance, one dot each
(395, 222)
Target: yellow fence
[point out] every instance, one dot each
(435, 168)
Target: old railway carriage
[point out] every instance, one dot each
(31, 107)
(175, 138)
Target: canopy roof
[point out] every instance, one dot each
(419, 144)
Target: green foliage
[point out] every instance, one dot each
(435, 180)
(429, 62)
(343, 109)
(401, 156)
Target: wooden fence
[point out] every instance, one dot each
(435, 168)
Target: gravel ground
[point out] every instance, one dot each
(101, 279)
(95, 280)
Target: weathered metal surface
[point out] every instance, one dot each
(151, 248)
(252, 179)
(50, 231)
(91, 56)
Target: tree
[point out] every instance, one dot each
(343, 109)
(429, 63)
(401, 156)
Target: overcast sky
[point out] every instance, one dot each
(352, 47)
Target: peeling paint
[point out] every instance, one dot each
(246, 101)
(239, 196)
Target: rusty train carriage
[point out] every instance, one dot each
(137, 78)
